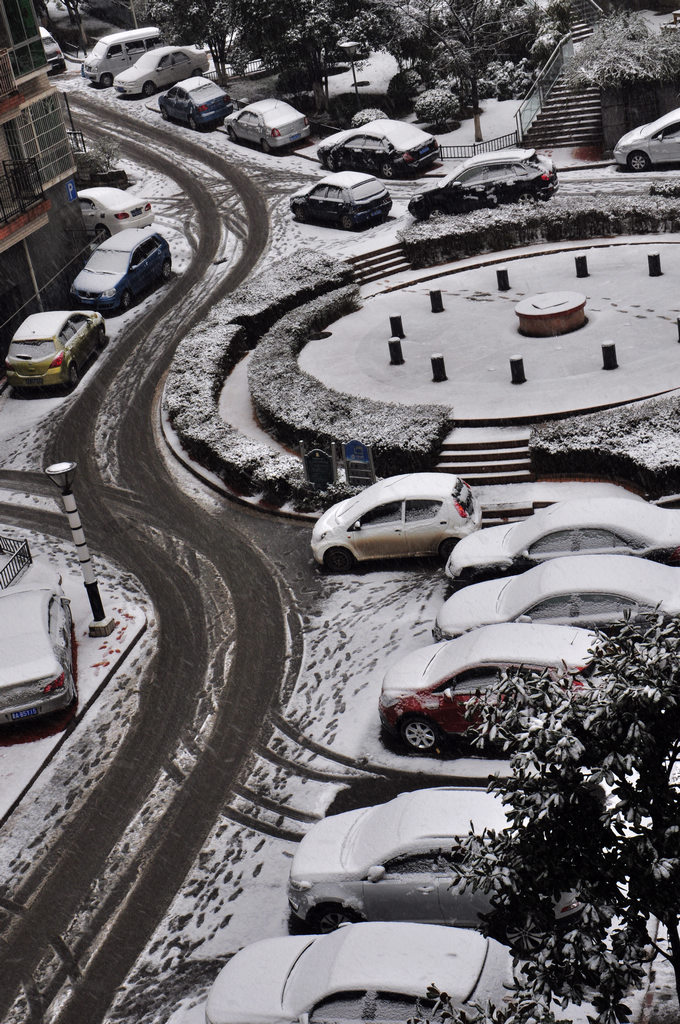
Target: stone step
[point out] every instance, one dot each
(556, 141)
(365, 277)
(497, 476)
(563, 109)
(485, 455)
(496, 445)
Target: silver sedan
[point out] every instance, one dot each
(269, 124)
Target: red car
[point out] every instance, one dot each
(424, 694)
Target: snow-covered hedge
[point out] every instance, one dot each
(363, 117)
(446, 238)
(294, 406)
(637, 443)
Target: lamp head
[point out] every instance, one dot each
(61, 474)
(350, 47)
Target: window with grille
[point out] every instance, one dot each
(39, 132)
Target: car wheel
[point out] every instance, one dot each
(197, 73)
(386, 169)
(492, 200)
(125, 301)
(102, 340)
(73, 376)
(148, 89)
(347, 222)
(101, 233)
(299, 213)
(527, 197)
(192, 123)
(264, 146)
(166, 269)
(106, 81)
(329, 916)
(164, 114)
(420, 735)
(231, 133)
(338, 560)
(333, 162)
(446, 547)
(638, 161)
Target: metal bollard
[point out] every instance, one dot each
(438, 368)
(396, 355)
(517, 370)
(396, 328)
(436, 302)
(609, 356)
(581, 266)
(502, 280)
(654, 261)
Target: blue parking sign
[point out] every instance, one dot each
(355, 451)
(71, 191)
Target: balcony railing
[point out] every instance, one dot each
(20, 188)
(8, 83)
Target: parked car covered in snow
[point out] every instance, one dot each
(486, 180)
(197, 102)
(121, 268)
(425, 693)
(655, 143)
(408, 515)
(107, 210)
(386, 148)
(393, 861)
(374, 971)
(55, 58)
(590, 526)
(348, 199)
(50, 349)
(593, 591)
(36, 662)
(161, 68)
(270, 124)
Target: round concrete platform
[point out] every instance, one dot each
(550, 314)
(477, 333)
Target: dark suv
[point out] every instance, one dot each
(386, 148)
(486, 180)
(348, 199)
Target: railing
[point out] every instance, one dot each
(8, 83)
(534, 100)
(20, 188)
(490, 146)
(253, 67)
(21, 557)
(588, 10)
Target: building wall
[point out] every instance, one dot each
(624, 109)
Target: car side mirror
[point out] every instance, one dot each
(524, 553)
(303, 1018)
(356, 526)
(375, 873)
(523, 618)
(448, 693)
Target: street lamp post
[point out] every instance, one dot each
(351, 49)
(61, 474)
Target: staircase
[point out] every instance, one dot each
(371, 266)
(487, 456)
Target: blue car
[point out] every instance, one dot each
(121, 268)
(197, 102)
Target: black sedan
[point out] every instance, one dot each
(386, 148)
(348, 199)
(487, 180)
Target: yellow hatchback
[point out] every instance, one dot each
(52, 348)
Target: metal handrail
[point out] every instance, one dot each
(21, 557)
(533, 102)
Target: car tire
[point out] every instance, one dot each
(526, 197)
(445, 548)
(328, 916)
(102, 339)
(420, 735)
(166, 269)
(339, 560)
(638, 161)
(386, 169)
(347, 222)
(333, 161)
(164, 114)
(101, 233)
(492, 200)
(125, 301)
(73, 375)
(231, 133)
(148, 89)
(299, 213)
(197, 73)
(192, 123)
(106, 81)
(264, 146)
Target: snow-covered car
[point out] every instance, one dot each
(348, 199)
(425, 693)
(393, 861)
(409, 515)
(588, 526)
(55, 58)
(593, 591)
(197, 102)
(383, 147)
(121, 268)
(161, 68)
(50, 349)
(486, 180)
(108, 210)
(374, 971)
(36, 663)
(655, 143)
(270, 124)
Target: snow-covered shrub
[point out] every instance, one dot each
(362, 117)
(637, 443)
(403, 86)
(437, 106)
(623, 50)
(294, 406)
(669, 189)
(506, 80)
(516, 224)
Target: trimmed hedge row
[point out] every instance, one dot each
(443, 239)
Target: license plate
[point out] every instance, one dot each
(26, 713)
(136, 213)
(425, 149)
(32, 380)
(294, 137)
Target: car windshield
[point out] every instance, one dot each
(364, 844)
(37, 347)
(367, 190)
(108, 261)
(100, 49)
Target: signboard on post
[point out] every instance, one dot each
(358, 464)
(319, 467)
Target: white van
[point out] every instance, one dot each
(118, 51)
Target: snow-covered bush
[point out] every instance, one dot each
(506, 80)
(437, 106)
(623, 50)
(638, 443)
(404, 85)
(669, 189)
(515, 224)
(362, 117)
